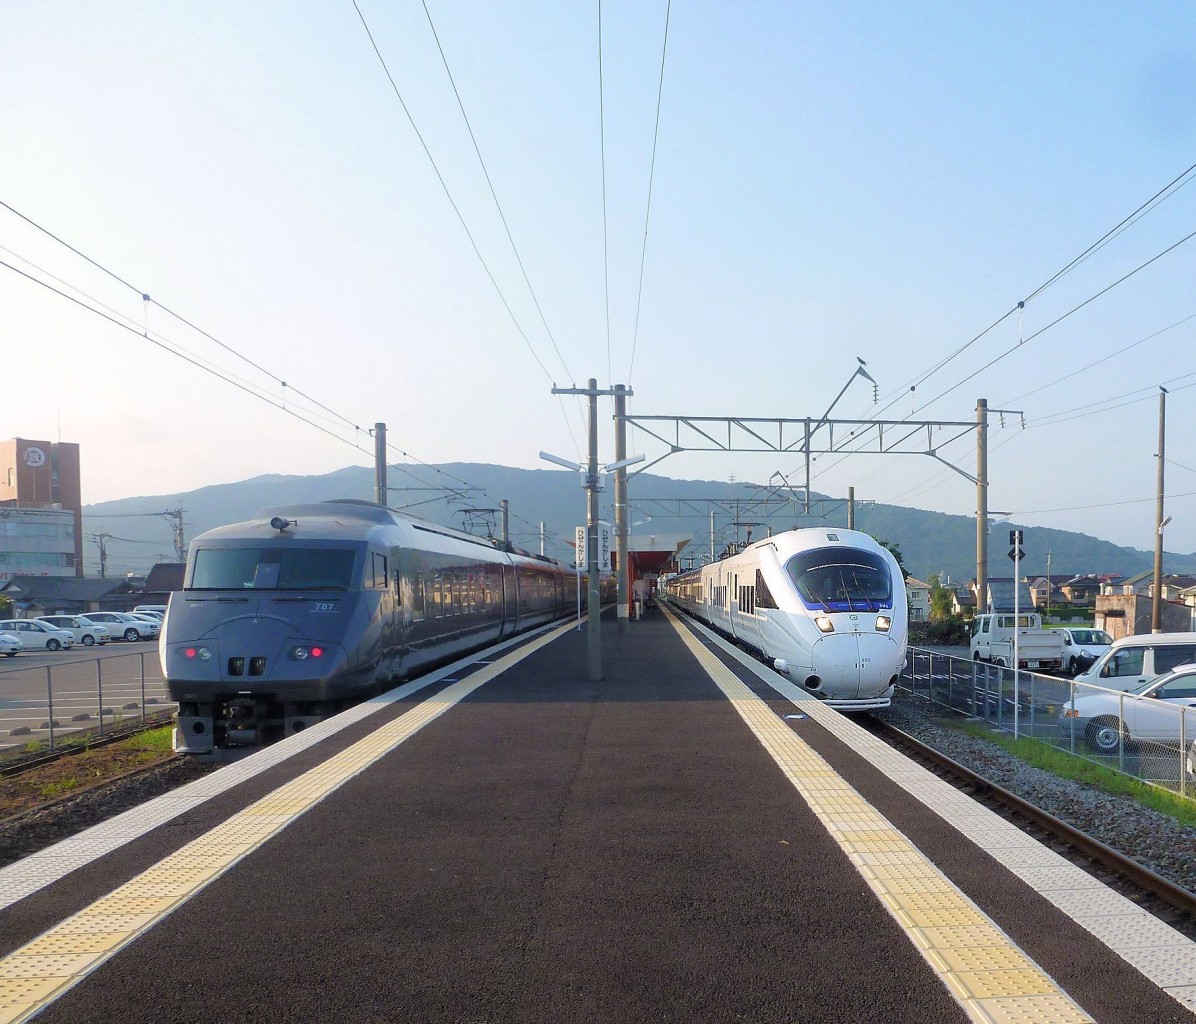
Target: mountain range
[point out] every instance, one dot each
(929, 542)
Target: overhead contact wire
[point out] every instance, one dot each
(605, 231)
(448, 195)
(639, 293)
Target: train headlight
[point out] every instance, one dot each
(823, 622)
(308, 651)
(883, 622)
(202, 653)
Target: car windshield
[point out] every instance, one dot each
(841, 579)
(1093, 637)
(272, 568)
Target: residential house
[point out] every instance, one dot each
(68, 595)
(1046, 590)
(918, 594)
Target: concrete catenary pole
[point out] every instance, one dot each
(594, 607)
(981, 505)
(506, 524)
(624, 620)
(1156, 600)
(851, 508)
(380, 492)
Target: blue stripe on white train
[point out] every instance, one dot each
(827, 607)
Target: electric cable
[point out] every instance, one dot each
(639, 292)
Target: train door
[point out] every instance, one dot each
(733, 602)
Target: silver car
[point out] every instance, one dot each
(1159, 709)
(10, 646)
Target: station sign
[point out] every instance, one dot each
(606, 535)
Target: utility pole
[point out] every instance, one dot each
(1048, 597)
(981, 505)
(180, 540)
(506, 530)
(101, 539)
(380, 492)
(850, 508)
(594, 605)
(1156, 604)
(621, 393)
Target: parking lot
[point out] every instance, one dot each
(46, 696)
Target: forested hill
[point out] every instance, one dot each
(929, 541)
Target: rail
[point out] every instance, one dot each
(43, 705)
(1143, 737)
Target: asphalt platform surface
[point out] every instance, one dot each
(555, 849)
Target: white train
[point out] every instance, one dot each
(827, 607)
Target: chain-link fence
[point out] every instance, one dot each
(1147, 736)
(42, 705)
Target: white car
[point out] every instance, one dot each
(10, 645)
(1160, 709)
(84, 631)
(35, 635)
(1082, 647)
(125, 626)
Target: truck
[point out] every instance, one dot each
(1037, 648)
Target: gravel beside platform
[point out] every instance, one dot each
(1155, 840)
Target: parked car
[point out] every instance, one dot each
(126, 626)
(1136, 659)
(1150, 711)
(154, 609)
(1082, 647)
(10, 645)
(150, 620)
(35, 635)
(80, 627)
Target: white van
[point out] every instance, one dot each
(1138, 659)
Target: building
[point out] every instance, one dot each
(41, 509)
(918, 594)
(32, 596)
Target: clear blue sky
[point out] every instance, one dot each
(832, 181)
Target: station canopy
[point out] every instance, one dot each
(652, 553)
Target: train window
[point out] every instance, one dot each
(380, 573)
(272, 568)
(764, 598)
(841, 579)
(417, 597)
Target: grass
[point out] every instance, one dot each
(1069, 766)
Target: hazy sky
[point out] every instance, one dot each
(832, 181)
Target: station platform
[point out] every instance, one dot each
(689, 839)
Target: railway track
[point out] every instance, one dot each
(20, 764)
(1162, 897)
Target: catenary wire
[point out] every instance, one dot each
(448, 195)
(165, 309)
(503, 217)
(605, 232)
(639, 292)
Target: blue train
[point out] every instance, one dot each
(306, 609)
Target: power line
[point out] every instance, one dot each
(449, 195)
(1060, 319)
(501, 215)
(639, 294)
(605, 233)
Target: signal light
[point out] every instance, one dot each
(317, 652)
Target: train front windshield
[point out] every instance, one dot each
(840, 579)
(272, 568)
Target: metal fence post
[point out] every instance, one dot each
(1033, 702)
(1183, 747)
(1072, 721)
(50, 703)
(142, 657)
(100, 693)
(1121, 732)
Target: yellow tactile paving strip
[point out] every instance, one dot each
(981, 966)
(59, 958)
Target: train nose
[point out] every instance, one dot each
(860, 663)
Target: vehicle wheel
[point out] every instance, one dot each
(88, 639)
(1000, 663)
(1073, 667)
(131, 634)
(53, 645)
(976, 656)
(1105, 736)
(11, 654)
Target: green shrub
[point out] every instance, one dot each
(951, 631)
